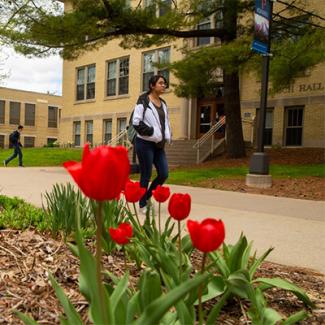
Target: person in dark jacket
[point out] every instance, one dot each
(15, 142)
(151, 121)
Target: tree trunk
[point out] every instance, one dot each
(234, 129)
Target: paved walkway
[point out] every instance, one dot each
(296, 228)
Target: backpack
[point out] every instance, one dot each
(130, 130)
(12, 137)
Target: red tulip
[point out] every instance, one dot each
(133, 191)
(208, 235)
(179, 206)
(122, 234)
(102, 173)
(161, 193)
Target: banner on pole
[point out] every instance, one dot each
(262, 17)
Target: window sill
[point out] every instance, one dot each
(85, 101)
(117, 97)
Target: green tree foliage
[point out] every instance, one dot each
(39, 28)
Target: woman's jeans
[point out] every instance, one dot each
(17, 152)
(148, 155)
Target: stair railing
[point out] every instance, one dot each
(120, 139)
(207, 136)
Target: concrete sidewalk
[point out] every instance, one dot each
(296, 228)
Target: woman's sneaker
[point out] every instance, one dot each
(143, 210)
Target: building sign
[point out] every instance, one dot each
(262, 19)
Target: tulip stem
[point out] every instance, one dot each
(180, 250)
(159, 219)
(125, 265)
(200, 291)
(99, 226)
(136, 214)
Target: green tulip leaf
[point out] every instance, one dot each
(100, 310)
(220, 263)
(150, 287)
(258, 262)
(270, 316)
(25, 319)
(215, 311)
(133, 308)
(296, 318)
(236, 254)
(283, 284)
(216, 287)
(156, 310)
(72, 315)
(119, 292)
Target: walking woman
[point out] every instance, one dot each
(151, 121)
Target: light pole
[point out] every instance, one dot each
(259, 164)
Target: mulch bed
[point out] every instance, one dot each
(27, 257)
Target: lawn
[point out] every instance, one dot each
(34, 157)
(187, 176)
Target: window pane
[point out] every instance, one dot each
(163, 56)
(2, 111)
(146, 77)
(81, 76)
(89, 132)
(91, 90)
(91, 74)
(121, 124)
(164, 7)
(50, 141)
(123, 86)
(80, 92)
(29, 142)
(76, 133)
(14, 117)
(30, 114)
(52, 117)
(148, 60)
(206, 39)
(111, 87)
(107, 131)
(111, 70)
(2, 141)
(124, 76)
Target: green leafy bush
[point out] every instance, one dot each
(15, 213)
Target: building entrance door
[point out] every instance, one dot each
(208, 114)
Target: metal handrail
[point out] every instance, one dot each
(119, 138)
(207, 135)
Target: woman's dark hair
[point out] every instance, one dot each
(153, 80)
(20, 127)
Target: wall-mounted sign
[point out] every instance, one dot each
(262, 17)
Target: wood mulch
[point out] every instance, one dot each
(26, 257)
(308, 188)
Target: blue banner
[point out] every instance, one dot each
(262, 17)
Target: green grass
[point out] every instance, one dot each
(186, 176)
(195, 176)
(42, 156)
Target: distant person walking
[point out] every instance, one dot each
(14, 139)
(151, 121)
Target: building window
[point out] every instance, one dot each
(30, 114)
(52, 117)
(14, 116)
(121, 126)
(76, 132)
(107, 131)
(29, 142)
(294, 125)
(86, 77)
(161, 57)
(164, 7)
(51, 141)
(2, 111)
(117, 77)
(204, 24)
(2, 141)
(89, 132)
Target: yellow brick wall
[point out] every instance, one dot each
(40, 131)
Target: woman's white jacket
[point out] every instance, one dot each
(151, 119)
